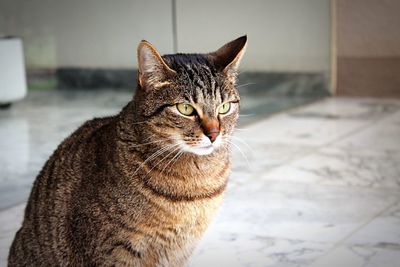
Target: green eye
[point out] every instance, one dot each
(185, 109)
(224, 108)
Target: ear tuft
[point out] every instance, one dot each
(228, 57)
(153, 71)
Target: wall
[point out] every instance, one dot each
(284, 35)
(86, 33)
(368, 47)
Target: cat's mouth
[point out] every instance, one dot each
(203, 147)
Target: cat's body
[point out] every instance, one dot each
(125, 190)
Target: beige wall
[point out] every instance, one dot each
(284, 35)
(368, 47)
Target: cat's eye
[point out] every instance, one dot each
(185, 109)
(224, 108)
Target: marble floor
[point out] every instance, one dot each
(317, 185)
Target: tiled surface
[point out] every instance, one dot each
(314, 186)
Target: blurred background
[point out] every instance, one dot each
(92, 44)
(315, 71)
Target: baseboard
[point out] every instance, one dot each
(276, 83)
(78, 78)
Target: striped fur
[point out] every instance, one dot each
(119, 191)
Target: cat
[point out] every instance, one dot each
(139, 188)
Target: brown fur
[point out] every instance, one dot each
(113, 195)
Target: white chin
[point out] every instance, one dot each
(205, 147)
(202, 150)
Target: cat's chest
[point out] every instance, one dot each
(189, 222)
(173, 231)
(186, 222)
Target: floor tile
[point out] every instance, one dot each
(300, 211)
(359, 256)
(304, 130)
(383, 135)
(348, 108)
(382, 232)
(343, 167)
(237, 250)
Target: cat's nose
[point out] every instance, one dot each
(212, 136)
(211, 128)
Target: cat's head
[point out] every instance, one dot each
(189, 100)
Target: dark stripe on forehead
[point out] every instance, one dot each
(199, 74)
(197, 80)
(180, 61)
(190, 74)
(206, 77)
(215, 89)
(195, 99)
(201, 82)
(195, 65)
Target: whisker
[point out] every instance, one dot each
(154, 155)
(176, 147)
(149, 137)
(243, 142)
(245, 84)
(153, 142)
(241, 152)
(179, 151)
(246, 115)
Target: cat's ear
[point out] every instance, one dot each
(227, 58)
(153, 71)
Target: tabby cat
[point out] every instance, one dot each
(139, 188)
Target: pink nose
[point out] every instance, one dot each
(213, 136)
(210, 128)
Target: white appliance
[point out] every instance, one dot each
(12, 71)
